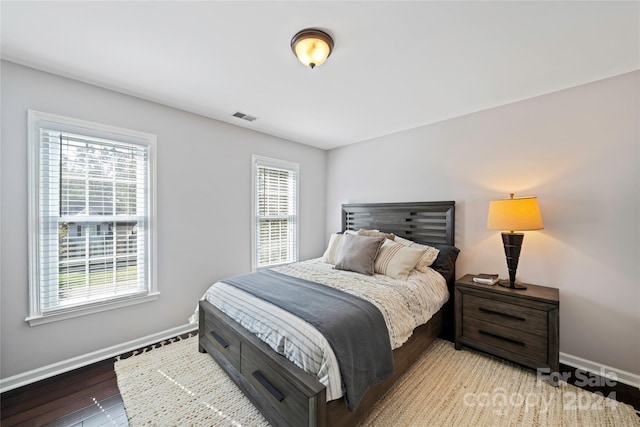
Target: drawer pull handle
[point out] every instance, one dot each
(220, 340)
(266, 384)
(511, 340)
(508, 316)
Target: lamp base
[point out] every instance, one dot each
(512, 243)
(507, 284)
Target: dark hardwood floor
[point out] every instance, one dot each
(86, 396)
(89, 396)
(596, 384)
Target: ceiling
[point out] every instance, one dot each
(395, 66)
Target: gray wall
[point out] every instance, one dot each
(203, 212)
(577, 150)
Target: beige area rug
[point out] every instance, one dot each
(175, 385)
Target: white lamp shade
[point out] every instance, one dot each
(515, 214)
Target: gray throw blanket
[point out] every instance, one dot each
(354, 328)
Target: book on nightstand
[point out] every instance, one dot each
(486, 279)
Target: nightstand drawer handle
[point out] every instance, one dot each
(509, 316)
(501, 337)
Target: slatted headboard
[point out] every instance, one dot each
(420, 221)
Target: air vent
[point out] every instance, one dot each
(244, 116)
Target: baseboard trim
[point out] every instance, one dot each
(625, 377)
(44, 372)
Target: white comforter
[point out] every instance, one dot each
(404, 305)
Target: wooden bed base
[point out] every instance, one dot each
(285, 394)
(241, 354)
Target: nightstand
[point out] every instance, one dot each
(518, 325)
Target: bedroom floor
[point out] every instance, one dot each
(89, 396)
(86, 396)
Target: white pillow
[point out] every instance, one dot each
(427, 259)
(397, 260)
(333, 249)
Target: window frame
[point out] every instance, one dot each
(257, 160)
(36, 121)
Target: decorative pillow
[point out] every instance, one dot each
(358, 253)
(375, 233)
(396, 260)
(445, 263)
(427, 259)
(333, 249)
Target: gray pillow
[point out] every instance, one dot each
(358, 253)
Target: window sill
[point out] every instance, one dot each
(83, 311)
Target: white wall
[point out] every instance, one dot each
(578, 150)
(203, 212)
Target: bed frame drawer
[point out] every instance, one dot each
(285, 394)
(282, 395)
(223, 339)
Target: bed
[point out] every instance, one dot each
(294, 394)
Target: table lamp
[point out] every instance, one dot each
(514, 215)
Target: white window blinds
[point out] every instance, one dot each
(93, 219)
(275, 204)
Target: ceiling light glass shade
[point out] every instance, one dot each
(312, 47)
(515, 214)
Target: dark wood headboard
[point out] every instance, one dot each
(420, 221)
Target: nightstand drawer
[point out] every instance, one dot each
(505, 314)
(505, 338)
(519, 325)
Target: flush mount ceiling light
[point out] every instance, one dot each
(312, 46)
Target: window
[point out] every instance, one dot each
(275, 219)
(91, 206)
